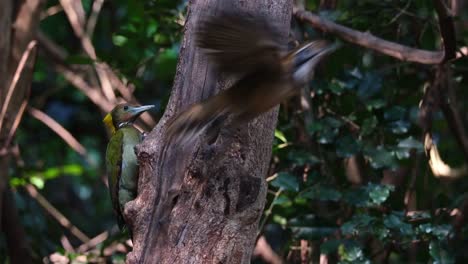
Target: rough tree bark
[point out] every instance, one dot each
(18, 24)
(202, 204)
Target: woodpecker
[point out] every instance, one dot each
(121, 160)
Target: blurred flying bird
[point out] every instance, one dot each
(251, 49)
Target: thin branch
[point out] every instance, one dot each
(92, 20)
(56, 214)
(66, 244)
(353, 126)
(73, 9)
(59, 130)
(447, 29)
(16, 123)
(79, 82)
(107, 89)
(401, 12)
(51, 11)
(439, 168)
(93, 242)
(367, 40)
(16, 77)
(75, 16)
(264, 250)
(269, 210)
(59, 56)
(53, 50)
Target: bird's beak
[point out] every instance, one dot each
(306, 58)
(313, 52)
(137, 110)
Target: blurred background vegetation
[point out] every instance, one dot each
(349, 176)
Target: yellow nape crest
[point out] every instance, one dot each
(109, 123)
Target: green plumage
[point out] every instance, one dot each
(121, 160)
(122, 168)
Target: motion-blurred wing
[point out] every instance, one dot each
(238, 42)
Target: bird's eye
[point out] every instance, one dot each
(125, 108)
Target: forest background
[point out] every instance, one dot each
(368, 164)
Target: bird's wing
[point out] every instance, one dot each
(238, 42)
(114, 169)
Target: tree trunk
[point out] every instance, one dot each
(202, 203)
(18, 23)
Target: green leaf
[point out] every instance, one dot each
(399, 127)
(442, 232)
(119, 40)
(379, 193)
(370, 85)
(367, 59)
(327, 136)
(380, 157)
(303, 220)
(279, 135)
(151, 29)
(166, 63)
(312, 233)
(283, 200)
(351, 253)
(330, 246)
(336, 87)
(279, 220)
(411, 143)
(37, 181)
(369, 125)
(375, 104)
(395, 113)
(368, 196)
(395, 221)
(79, 59)
(16, 182)
(347, 146)
(315, 127)
(321, 193)
(286, 181)
(440, 254)
(358, 225)
(301, 158)
(333, 122)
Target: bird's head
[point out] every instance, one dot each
(306, 57)
(123, 114)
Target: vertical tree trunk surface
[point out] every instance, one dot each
(202, 203)
(19, 21)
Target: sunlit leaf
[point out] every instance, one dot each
(279, 135)
(37, 181)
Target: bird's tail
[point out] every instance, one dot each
(195, 120)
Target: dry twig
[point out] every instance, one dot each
(367, 40)
(56, 213)
(59, 130)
